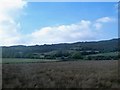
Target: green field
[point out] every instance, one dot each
(106, 54)
(21, 60)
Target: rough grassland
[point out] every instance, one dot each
(69, 74)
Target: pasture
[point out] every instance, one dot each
(69, 74)
(18, 60)
(106, 54)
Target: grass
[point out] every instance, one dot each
(14, 60)
(106, 54)
(73, 74)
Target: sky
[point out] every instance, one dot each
(31, 23)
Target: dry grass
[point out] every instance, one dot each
(73, 74)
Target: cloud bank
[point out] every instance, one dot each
(85, 30)
(9, 27)
(10, 33)
(64, 33)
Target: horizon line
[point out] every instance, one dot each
(62, 43)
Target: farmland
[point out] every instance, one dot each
(106, 54)
(69, 74)
(18, 60)
(99, 50)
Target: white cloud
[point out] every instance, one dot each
(98, 26)
(10, 33)
(84, 30)
(105, 19)
(9, 27)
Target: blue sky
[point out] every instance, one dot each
(40, 14)
(63, 22)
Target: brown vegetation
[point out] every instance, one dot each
(69, 74)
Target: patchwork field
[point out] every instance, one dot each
(69, 74)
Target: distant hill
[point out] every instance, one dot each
(61, 51)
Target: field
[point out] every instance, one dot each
(14, 60)
(67, 74)
(106, 54)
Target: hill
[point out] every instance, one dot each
(78, 50)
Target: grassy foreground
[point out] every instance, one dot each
(70, 74)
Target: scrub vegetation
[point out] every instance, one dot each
(64, 74)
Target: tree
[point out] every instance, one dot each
(77, 55)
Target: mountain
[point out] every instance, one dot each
(65, 50)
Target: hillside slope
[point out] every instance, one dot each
(64, 50)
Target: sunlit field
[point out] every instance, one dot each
(64, 74)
